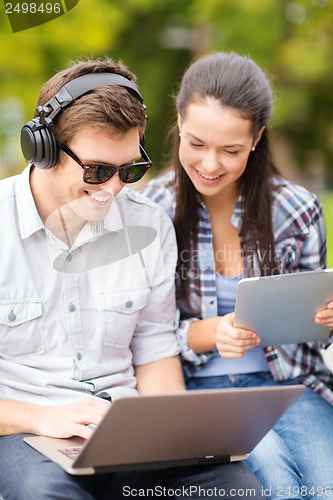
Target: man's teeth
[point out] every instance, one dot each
(99, 197)
(210, 177)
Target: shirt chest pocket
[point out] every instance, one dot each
(121, 312)
(21, 330)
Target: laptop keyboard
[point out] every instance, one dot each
(71, 452)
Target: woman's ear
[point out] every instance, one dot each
(259, 136)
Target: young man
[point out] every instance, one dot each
(87, 287)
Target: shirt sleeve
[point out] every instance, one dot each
(188, 355)
(301, 241)
(162, 191)
(154, 337)
(313, 254)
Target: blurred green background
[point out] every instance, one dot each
(157, 39)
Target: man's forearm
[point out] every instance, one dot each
(60, 421)
(17, 417)
(160, 376)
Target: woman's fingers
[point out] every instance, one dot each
(234, 342)
(325, 317)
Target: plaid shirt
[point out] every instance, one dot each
(300, 242)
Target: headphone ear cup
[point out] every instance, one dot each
(51, 149)
(39, 145)
(30, 140)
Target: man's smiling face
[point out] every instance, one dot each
(66, 188)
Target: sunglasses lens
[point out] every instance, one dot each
(98, 175)
(133, 173)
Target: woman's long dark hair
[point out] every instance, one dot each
(235, 82)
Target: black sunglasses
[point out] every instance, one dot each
(98, 174)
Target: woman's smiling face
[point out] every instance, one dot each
(214, 147)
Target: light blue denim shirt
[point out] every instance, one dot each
(73, 322)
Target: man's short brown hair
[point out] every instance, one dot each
(109, 106)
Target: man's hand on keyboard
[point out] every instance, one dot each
(71, 419)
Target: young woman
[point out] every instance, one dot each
(236, 216)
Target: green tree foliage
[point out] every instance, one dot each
(157, 39)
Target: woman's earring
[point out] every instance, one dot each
(180, 134)
(253, 148)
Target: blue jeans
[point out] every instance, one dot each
(295, 459)
(25, 474)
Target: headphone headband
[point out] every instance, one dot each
(38, 142)
(77, 88)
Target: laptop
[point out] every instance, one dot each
(281, 308)
(173, 429)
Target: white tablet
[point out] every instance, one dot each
(281, 308)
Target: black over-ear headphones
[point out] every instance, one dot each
(38, 142)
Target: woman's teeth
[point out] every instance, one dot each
(210, 177)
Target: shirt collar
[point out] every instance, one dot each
(236, 218)
(115, 218)
(30, 221)
(28, 217)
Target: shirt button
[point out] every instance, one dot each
(11, 316)
(129, 304)
(71, 307)
(69, 257)
(78, 356)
